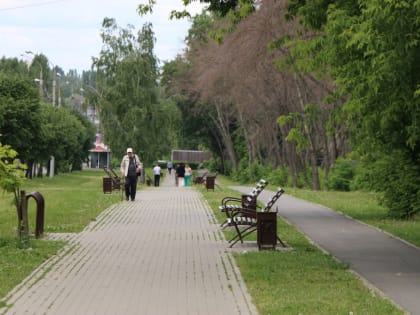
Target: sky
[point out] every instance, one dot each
(67, 31)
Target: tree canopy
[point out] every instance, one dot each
(132, 112)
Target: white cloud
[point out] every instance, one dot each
(67, 31)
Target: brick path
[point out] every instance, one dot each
(162, 254)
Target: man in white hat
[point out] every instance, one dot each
(130, 169)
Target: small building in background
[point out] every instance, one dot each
(100, 155)
(190, 156)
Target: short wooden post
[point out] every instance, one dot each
(23, 228)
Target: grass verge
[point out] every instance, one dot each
(71, 202)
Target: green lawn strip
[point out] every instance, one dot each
(301, 281)
(72, 201)
(363, 206)
(19, 259)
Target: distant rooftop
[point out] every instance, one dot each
(190, 156)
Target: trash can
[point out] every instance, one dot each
(266, 230)
(210, 182)
(107, 185)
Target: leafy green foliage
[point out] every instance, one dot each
(341, 175)
(371, 50)
(399, 181)
(65, 136)
(19, 114)
(132, 112)
(11, 171)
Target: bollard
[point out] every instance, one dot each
(40, 211)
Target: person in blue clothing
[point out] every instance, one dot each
(169, 166)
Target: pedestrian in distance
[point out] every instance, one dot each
(157, 172)
(169, 166)
(130, 169)
(187, 175)
(176, 175)
(180, 173)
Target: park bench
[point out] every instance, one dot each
(200, 179)
(248, 201)
(112, 182)
(246, 221)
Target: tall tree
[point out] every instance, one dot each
(127, 81)
(19, 116)
(239, 81)
(371, 49)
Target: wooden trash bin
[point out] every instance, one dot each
(210, 181)
(266, 230)
(107, 185)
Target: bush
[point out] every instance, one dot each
(251, 173)
(341, 175)
(399, 180)
(278, 176)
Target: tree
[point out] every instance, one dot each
(19, 116)
(371, 50)
(11, 171)
(244, 86)
(132, 113)
(66, 136)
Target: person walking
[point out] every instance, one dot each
(157, 172)
(176, 175)
(169, 166)
(187, 175)
(180, 172)
(130, 168)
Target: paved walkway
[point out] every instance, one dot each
(161, 254)
(389, 264)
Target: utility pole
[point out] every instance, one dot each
(53, 88)
(59, 92)
(41, 88)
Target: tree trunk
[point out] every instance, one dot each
(222, 122)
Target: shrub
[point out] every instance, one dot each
(278, 177)
(341, 175)
(399, 180)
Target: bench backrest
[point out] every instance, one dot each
(253, 195)
(273, 200)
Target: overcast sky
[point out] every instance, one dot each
(67, 31)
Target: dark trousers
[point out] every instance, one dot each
(130, 187)
(157, 180)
